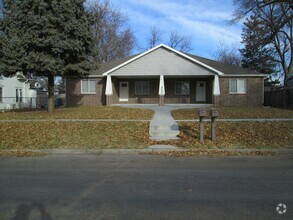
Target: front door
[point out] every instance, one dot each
(200, 91)
(123, 91)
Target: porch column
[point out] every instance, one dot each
(109, 90)
(216, 87)
(162, 90)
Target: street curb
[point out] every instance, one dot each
(144, 150)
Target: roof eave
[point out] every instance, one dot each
(245, 75)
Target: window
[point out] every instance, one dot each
(142, 87)
(1, 94)
(182, 88)
(18, 95)
(88, 86)
(237, 86)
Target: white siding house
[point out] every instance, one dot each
(15, 92)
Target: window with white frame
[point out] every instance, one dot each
(1, 94)
(142, 87)
(237, 86)
(182, 88)
(18, 95)
(88, 86)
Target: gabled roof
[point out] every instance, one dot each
(224, 67)
(215, 66)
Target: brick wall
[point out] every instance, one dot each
(153, 97)
(253, 97)
(75, 98)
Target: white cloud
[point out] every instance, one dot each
(204, 20)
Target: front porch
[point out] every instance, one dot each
(160, 90)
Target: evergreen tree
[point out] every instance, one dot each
(46, 38)
(256, 54)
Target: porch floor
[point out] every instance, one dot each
(166, 106)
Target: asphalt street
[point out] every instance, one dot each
(92, 186)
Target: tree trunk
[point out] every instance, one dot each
(51, 98)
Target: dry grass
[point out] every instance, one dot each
(13, 153)
(103, 135)
(236, 135)
(82, 135)
(237, 112)
(98, 135)
(82, 112)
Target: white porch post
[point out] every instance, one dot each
(162, 90)
(109, 90)
(216, 90)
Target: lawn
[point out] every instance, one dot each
(236, 135)
(236, 112)
(83, 135)
(73, 135)
(82, 112)
(103, 135)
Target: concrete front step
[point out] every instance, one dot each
(166, 136)
(173, 127)
(164, 131)
(163, 138)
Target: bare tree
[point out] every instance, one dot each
(175, 40)
(228, 54)
(279, 34)
(278, 19)
(244, 7)
(113, 39)
(179, 42)
(155, 37)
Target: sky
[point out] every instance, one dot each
(205, 21)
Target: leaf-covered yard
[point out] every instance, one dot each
(83, 135)
(134, 134)
(237, 135)
(236, 112)
(90, 134)
(81, 112)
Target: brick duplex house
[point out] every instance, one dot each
(163, 75)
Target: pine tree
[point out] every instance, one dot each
(46, 38)
(256, 54)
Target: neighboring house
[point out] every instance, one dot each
(163, 75)
(16, 92)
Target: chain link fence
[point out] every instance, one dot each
(9, 103)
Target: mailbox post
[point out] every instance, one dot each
(202, 114)
(214, 115)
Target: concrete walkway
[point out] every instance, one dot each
(163, 126)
